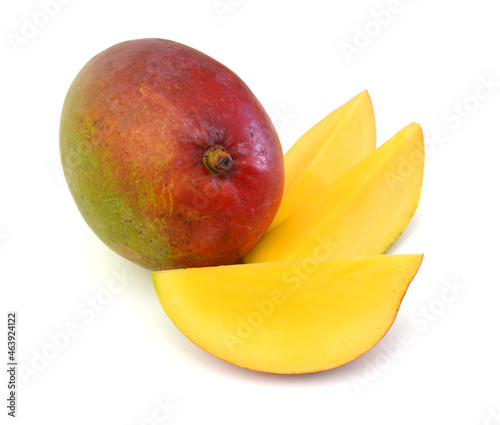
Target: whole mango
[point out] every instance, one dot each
(170, 158)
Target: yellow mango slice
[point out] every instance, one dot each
(326, 151)
(288, 317)
(361, 213)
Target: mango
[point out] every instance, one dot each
(170, 158)
(288, 317)
(325, 152)
(360, 214)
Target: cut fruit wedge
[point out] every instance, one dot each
(289, 317)
(326, 151)
(361, 213)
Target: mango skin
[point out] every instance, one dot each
(136, 123)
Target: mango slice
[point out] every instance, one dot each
(288, 317)
(361, 213)
(326, 151)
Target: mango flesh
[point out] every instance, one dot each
(361, 213)
(326, 151)
(288, 317)
(136, 125)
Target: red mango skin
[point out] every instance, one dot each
(135, 126)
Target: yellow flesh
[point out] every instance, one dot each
(361, 213)
(326, 151)
(288, 317)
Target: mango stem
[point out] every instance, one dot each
(217, 160)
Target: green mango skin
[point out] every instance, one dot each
(135, 126)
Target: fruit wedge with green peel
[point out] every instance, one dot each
(288, 317)
(361, 213)
(326, 151)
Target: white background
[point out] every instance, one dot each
(125, 361)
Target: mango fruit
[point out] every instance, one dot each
(360, 214)
(288, 317)
(326, 151)
(171, 160)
